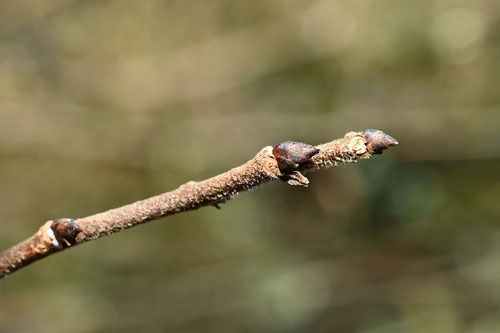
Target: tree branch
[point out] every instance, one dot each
(286, 161)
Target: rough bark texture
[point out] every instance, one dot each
(57, 235)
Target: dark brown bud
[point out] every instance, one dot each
(65, 230)
(292, 155)
(378, 141)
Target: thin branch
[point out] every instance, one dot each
(286, 161)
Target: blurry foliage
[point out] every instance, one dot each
(106, 102)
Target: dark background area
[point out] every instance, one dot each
(103, 103)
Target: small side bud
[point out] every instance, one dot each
(65, 231)
(378, 141)
(292, 155)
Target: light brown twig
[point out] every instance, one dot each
(287, 161)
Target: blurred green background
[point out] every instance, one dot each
(106, 102)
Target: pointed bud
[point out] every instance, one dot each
(378, 141)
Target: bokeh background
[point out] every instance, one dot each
(106, 102)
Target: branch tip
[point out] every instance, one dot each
(378, 141)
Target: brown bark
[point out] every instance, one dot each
(60, 234)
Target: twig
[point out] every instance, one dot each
(286, 161)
